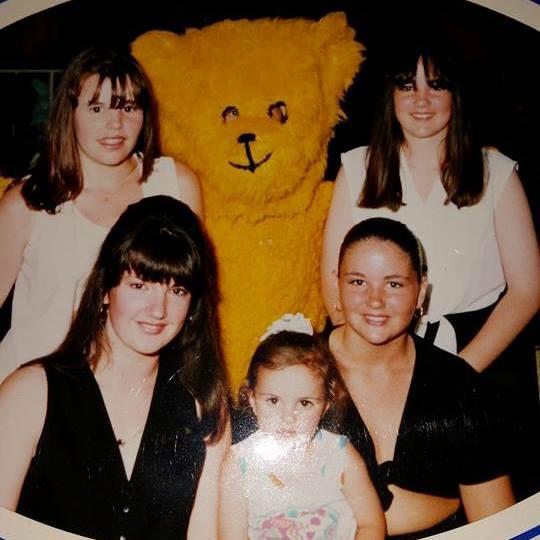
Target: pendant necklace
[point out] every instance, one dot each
(122, 442)
(135, 392)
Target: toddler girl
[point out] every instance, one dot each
(290, 479)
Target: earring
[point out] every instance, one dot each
(103, 310)
(419, 312)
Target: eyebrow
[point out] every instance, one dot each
(300, 398)
(389, 276)
(123, 101)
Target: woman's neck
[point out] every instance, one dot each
(426, 154)
(117, 369)
(353, 352)
(120, 361)
(101, 177)
(424, 158)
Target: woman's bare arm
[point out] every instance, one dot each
(16, 221)
(362, 498)
(204, 516)
(482, 500)
(521, 264)
(23, 405)
(337, 225)
(190, 189)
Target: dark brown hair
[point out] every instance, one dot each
(387, 230)
(159, 239)
(462, 171)
(57, 176)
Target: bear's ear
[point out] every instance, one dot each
(340, 58)
(155, 46)
(158, 53)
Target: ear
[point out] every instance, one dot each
(106, 300)
(340, 59)
(156, 49)
(335, 287)
(251, 399)
(424, 284)
(165, 60)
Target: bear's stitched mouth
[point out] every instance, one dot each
(252, 165)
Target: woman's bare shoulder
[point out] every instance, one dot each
(13, 206)
(25, 389)
(189, 187)
(186, 176)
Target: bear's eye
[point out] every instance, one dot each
(278, 111)
(230, 113)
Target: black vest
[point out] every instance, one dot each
(77, 481)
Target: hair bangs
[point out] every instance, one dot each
(439, 65)
(164, 256)
(124, 90)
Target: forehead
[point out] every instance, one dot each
(291, 381)
(375, 253)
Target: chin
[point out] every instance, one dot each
(148, 351)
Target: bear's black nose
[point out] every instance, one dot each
(246, 138)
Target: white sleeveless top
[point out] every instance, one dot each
(464, 263)
(57, 260)
(291, 497)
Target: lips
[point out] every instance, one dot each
(375, 320)
(423, 115)
(152, 329)
(112, 143)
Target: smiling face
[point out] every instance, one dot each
(144, 316)
(423, 107)
(379, 290)
(288, 402)
(105, 135)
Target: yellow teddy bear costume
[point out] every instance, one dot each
(250, 106)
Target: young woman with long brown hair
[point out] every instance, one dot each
(101, 154)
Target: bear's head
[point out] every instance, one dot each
(250, 106)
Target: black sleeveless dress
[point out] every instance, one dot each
(77, 480)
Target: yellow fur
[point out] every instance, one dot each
(4, 183)
(266, 225)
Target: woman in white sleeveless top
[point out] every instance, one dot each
(101, 155)
(464, 203)
(468, 208)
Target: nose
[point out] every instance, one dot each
(246, 138)
(288, 414)
(157, 306)
(421, 93)
(375, 298)
(114, 118)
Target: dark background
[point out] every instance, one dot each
(501, 61)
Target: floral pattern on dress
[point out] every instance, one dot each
(319, 524)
